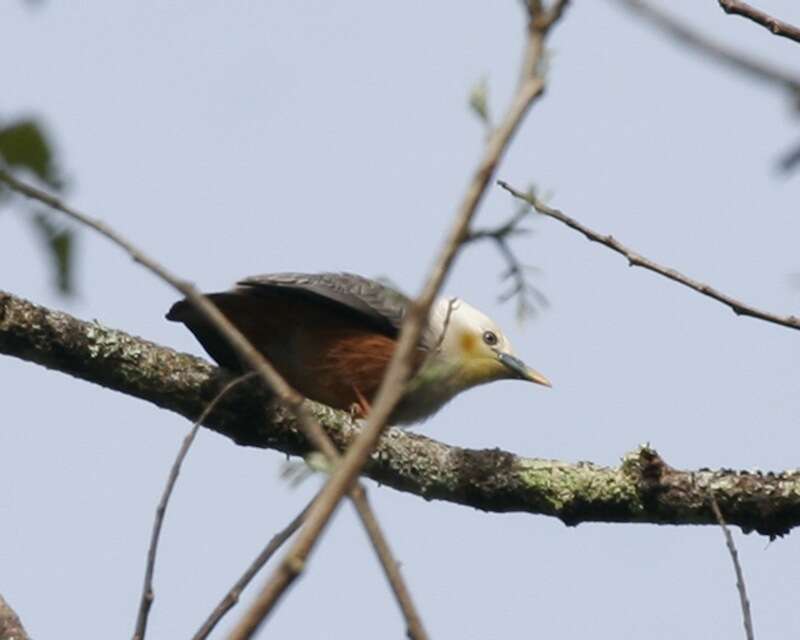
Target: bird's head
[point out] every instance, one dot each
(476, 346)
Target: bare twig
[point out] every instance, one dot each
(778, 27)
(727, 56)
(452, 303)
(789, 159)
(549, 18)
(740, 586)
(378, 539)
(232, 596)
(289, 397)
(208, 310)
(390, 566)
(719, 52)
(146, 600)
(520, 288)
(531, 85)
(358, 495)
(515, 271)
(637, 260)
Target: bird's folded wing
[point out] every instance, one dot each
(380, 304)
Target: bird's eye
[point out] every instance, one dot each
(490, 338)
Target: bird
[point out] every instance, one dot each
(332, 336)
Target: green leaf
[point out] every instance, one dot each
(24, 145)
(60, 241)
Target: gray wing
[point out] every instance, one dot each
(377, 303)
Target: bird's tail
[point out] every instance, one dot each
(215, 345)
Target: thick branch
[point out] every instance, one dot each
(10, 626)
(642, 489)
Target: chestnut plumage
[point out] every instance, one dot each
(332, 336)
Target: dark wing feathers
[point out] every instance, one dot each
(380, 305)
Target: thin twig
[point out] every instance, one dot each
(207, 309)
(778, 27)
(146, 600)
(740, 586)
(358, 495)
(637, 260)
(554, 15)
(288, 396)
(520, 289)
(230, 599)
(515, 271)
(789, 159)
(452, 303)
(390, 566)
(719, 52)
(359, 498)
(400, 368)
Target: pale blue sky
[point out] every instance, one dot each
(229, 139)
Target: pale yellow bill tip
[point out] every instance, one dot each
(538, 378)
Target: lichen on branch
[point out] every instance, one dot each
(643, 488)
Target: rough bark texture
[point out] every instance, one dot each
(10, 626)
(642, 489)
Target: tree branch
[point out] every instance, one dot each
(747, 618)
(530, 86)
(232, 596)
(778, 27)
(642, 489)
(10, 626)
(637, 260)
(148, 595)
(283, 393)
(515, 270)
(716, 51)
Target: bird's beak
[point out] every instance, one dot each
(521, 370)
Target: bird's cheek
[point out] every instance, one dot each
(481, 370)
